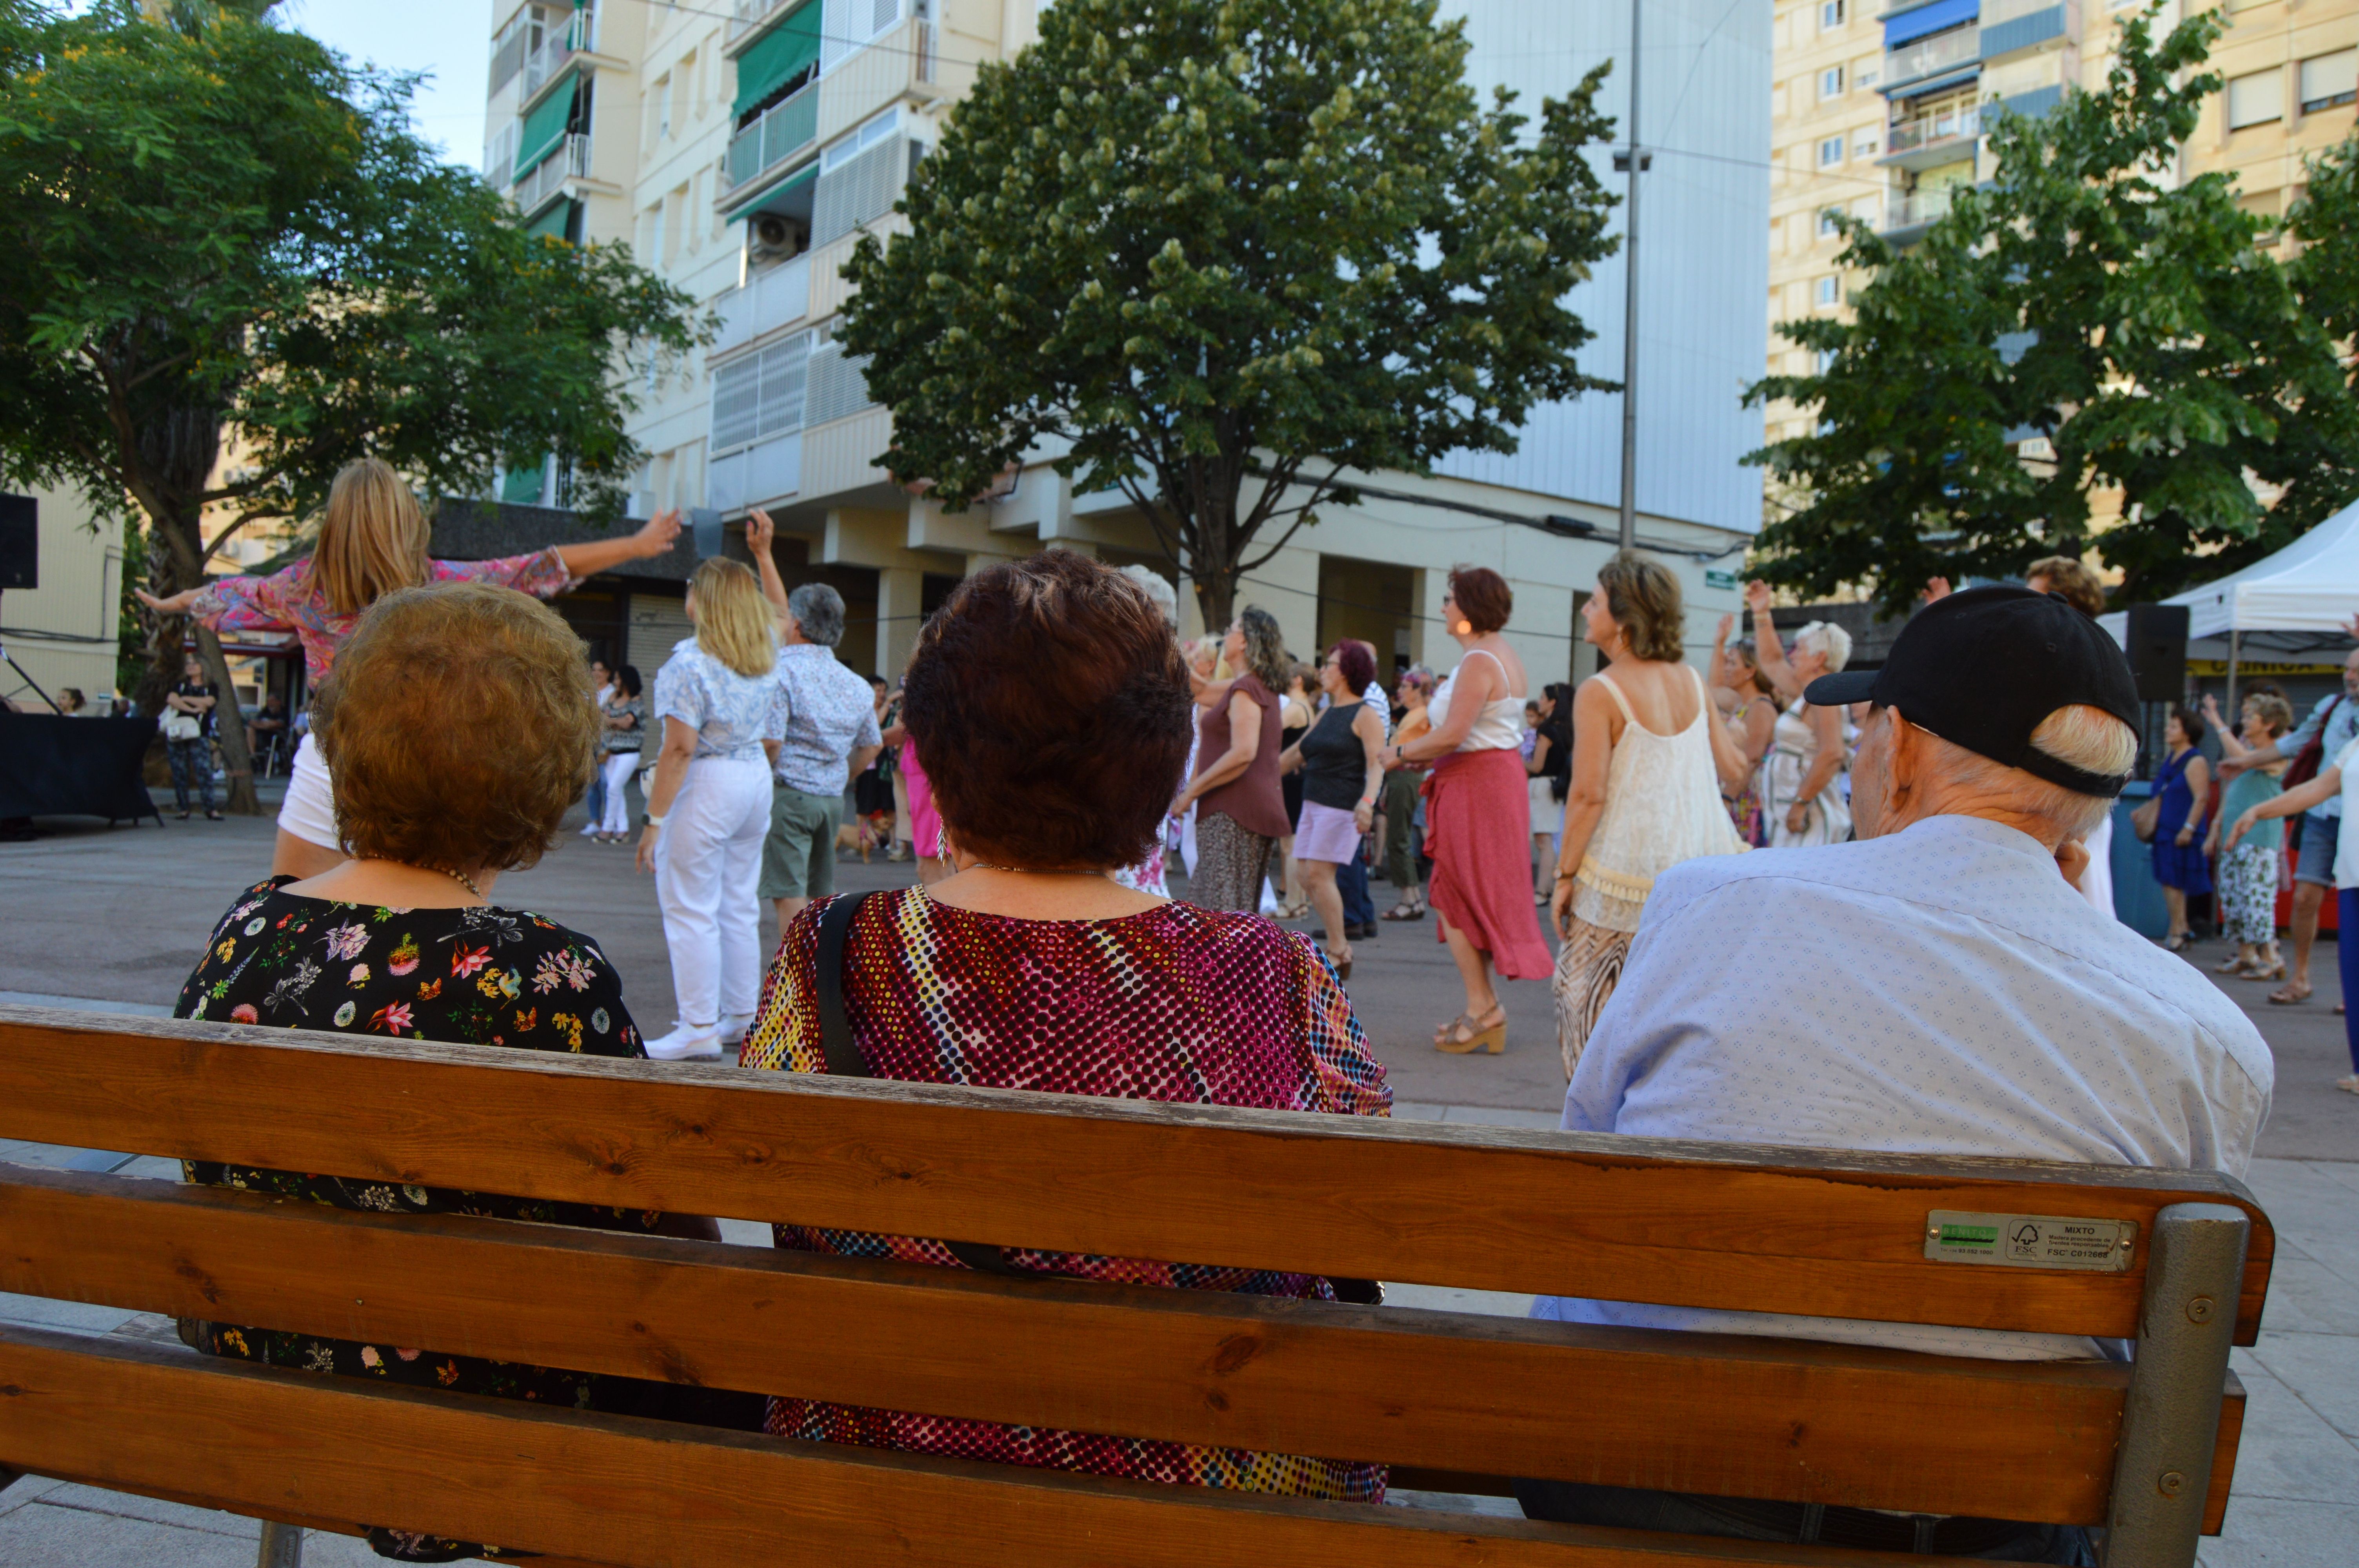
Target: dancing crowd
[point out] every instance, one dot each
(1791, 906)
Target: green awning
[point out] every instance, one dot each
(522, 487)
(778, 56)
(544, 128)
(770, 193)
(553, 223)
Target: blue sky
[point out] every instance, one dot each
(449, 38)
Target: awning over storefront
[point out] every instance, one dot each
(544, 128)
(778, 57)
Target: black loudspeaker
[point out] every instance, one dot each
(20, 542)
(2158, 651)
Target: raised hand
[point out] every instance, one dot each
(655, 537)
(1727, 625)
(1936, 589)
(759, 531)
(176, 605)
(1757, 597)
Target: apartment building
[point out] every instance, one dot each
(741, 148)
(1882, 113)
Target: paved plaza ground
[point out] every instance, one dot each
(117, 917)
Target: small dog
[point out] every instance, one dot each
(861, 834)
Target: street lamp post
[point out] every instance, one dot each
(1634, 163)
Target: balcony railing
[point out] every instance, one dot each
(752, 14)
(547, 176)
(1957, 121)
(1918, 208)
(785, 128)
(563, 44)
(772, 298)
(1924, 57)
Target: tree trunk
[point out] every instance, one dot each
(179, 448)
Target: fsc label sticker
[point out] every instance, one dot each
(2030, 1240)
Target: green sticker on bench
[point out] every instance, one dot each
(2030, 1240)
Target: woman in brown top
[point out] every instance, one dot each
(1241, 810)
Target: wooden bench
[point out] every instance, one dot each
(1447, 1399)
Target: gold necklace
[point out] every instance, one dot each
(1026, 871)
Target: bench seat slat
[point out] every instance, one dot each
(642, 1494)
(1816, 1232)
(1729, 1415)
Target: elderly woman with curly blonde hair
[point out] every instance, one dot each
(1799, 797)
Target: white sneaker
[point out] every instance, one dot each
(733, 1029)
(589, 831)
(684, 1043)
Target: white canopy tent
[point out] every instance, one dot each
(2297, 600)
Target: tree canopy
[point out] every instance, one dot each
(1180, 247)
(217, 234)
(2088, 297)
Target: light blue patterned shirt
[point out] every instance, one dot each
(830, 713)
(732, 714)
(2336, 717)
(1941, 990)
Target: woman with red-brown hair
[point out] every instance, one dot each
(1053, 705)
(1478, 811)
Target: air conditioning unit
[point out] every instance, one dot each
(775, 238)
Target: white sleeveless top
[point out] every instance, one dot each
(1662, 807)
(1498, 728)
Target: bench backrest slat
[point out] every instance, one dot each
(611, 1489)
(1725, 1415)
(1793, 1230)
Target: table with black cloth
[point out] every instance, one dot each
(54, 766)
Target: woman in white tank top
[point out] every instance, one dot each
(1478, 811)
(1649, 757)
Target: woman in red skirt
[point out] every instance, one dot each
(1478, 811)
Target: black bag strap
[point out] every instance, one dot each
(844, 1061)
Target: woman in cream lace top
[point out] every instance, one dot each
(1648, 759)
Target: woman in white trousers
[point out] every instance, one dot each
(723, 713)
(623, 721)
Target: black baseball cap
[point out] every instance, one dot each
(1982, 669)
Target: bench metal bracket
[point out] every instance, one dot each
(282, 1546)
(2162, 1472)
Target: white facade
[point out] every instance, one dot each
(743, 163)
(1702, 268)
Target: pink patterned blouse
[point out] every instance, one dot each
(289, 600)
(1179, 1003)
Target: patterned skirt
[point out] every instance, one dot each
(2248, 895)
(1588, 968)
(1230, 864)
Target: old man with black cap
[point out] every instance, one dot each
(1941, 988)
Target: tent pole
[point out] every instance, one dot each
(2230, 705)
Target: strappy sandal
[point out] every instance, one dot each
(1463, 1036)
(1342, 965)
(1406, 909)
(2179, 944)
(2289, 994)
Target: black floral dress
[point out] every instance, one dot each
(482, 975)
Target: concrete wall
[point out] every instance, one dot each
(63, 633)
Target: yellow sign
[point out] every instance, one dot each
(2253, 668)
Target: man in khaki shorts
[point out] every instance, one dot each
(832, 735)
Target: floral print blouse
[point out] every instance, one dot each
(1178, 1003)
(732, 714)
(481, 976)
(289, 601)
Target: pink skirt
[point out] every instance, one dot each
(1326, 834)
(1478, 818)
(925, 822)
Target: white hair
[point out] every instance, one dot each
(1825, 637)
(1157, 588)
(2089, 739)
